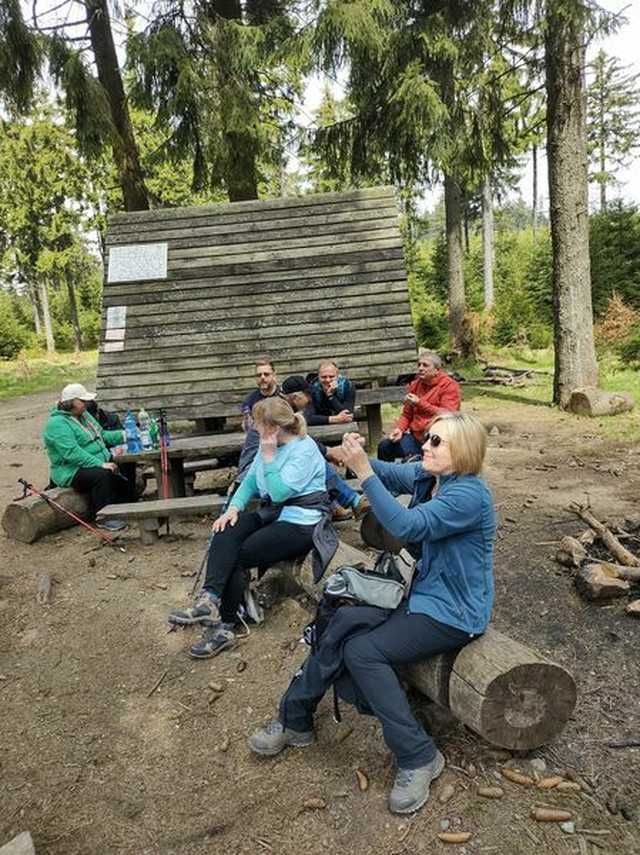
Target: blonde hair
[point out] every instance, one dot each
(276, 412)
(328, 363)
(467, 440)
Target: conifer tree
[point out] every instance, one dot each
(613, 120)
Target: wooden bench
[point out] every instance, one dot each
(504, 691)
(149, 515)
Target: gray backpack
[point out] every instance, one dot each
(383, 586)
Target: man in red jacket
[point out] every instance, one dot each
(431, 393)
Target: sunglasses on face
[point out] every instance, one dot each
(434, 439)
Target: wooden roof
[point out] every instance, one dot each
(297, 278)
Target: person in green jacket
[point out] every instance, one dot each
(79, 455)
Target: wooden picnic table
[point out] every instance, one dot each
(213, 445)
(371, 401)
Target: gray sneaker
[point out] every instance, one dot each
(217, 637)
(411, 787)
(204, 610)
(112, 525)
(274, 738)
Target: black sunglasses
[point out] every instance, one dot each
(434, 439)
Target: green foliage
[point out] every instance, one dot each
(629, 349)
(615, 255)
(13, 336)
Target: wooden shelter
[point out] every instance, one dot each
(193, 295)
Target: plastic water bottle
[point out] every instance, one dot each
(154, 434)
(131, 433)
(145, 435)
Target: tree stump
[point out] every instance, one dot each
(27, 520)
(502, 690)
(590, 401)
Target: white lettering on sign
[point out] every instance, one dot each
(137, 261)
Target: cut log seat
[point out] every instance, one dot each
(149, 514)
(501, 689)
(590, 401)
(29, 519)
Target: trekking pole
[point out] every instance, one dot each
(164, 459)
(30, 490)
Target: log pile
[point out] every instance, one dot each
(597, 578)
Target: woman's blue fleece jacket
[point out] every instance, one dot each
(455, 532)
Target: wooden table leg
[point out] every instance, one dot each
(149, 530)
(374, 423)
(176, 478)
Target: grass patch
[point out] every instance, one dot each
(40, 373)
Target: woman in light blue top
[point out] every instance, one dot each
(288, 476)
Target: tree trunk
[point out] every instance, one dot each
(33, 299)
(125, 150)
(241, 175)
(46, 316)
(75, 319)
(487, 242)
(465, 229)
(575, 357)
(603, 154)
(453, 218)
(534, 201)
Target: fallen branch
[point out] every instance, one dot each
(157, 683)
(632, 742)
(623, 555)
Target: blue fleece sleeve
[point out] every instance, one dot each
(458, 510)
(399, 478)
(276, 487)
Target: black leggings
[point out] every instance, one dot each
(106, 487)
(250, 543)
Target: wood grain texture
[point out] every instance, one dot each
(299, 278)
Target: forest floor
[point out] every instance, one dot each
(94, 760)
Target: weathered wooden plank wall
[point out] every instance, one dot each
(298, 278)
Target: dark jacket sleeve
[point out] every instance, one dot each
(349, 400)
(314, 418)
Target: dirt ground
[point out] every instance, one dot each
(93, 761)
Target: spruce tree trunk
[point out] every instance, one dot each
(33, 299)
(241, 175)
(487, 242)
(75, 319)
(125, 150)
(453, 219)
(534, 201)
(43, 294)
(575, 357)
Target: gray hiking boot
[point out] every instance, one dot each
(411, 787)
(274, 738)
(204, 610)
(218, 637)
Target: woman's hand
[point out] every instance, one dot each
(268, 443)
(354, 455)
(229, 517)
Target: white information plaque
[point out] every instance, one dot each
(137, 261)
(116, 317)
(112, 346)
(114, 335)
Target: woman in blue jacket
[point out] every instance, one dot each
(450, 524)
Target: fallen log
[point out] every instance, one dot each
(29, 519)
(590, 401)
(621, 553)
(502, 690)
(600, 582)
